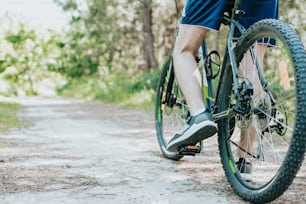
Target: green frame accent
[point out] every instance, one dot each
(232, 167)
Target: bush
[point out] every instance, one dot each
(127, 90)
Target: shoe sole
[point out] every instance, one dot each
(201, 132)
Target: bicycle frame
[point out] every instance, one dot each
(229, 58)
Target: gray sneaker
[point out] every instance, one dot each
(195, 130)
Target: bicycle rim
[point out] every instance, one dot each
(272, 135)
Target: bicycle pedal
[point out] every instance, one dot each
(189, 150)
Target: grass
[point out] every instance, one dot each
(127, 91)
(8, 116)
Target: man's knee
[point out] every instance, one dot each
(185, 49)
(189, 40)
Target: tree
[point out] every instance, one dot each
(26, 57)
(116, 28)
(148, 39)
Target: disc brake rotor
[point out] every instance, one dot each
(262, 110)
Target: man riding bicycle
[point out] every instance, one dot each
(200, 16)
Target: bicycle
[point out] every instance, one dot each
(277, 112)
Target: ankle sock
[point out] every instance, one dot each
(197, 112)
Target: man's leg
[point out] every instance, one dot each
(187, 73)
(249, 71)
(200, 125)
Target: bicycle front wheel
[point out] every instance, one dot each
(171, 110)
(271, 133)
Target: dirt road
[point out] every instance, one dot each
(88, 152)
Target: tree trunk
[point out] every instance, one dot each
(148, 40)
(217, 37)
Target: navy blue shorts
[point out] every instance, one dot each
(209, 13)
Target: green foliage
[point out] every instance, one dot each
(118, 88)
(112, 33)
(20, 37)
(148, 80)
(15, 39)
(121, 87)
(2, 65)
(24, 60)
(8, 116)
(90, 42)
(75, 66)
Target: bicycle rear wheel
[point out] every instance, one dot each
(276, 145)
(171, 110)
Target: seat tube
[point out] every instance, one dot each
(207, 87)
